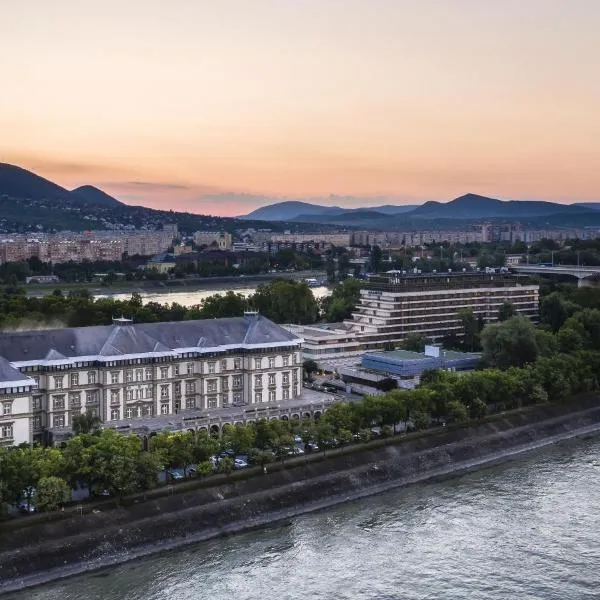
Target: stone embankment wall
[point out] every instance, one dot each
(45, 550)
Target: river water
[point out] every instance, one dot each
(195, 297)
(522, 530)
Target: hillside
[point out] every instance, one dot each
(295, 210)
(473, 206)
(93, 195)
(30, 203)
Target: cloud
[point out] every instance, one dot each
(146, 185)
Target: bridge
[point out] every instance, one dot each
(579, 272)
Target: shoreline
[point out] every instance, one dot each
(273, 516)
(178, 286)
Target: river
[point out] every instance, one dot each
(526, 530)
(195, 297)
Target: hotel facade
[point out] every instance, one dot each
(127, 373)
(393, 306)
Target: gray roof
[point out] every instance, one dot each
(9, 373)
(142, 338)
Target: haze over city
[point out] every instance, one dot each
(221, 107)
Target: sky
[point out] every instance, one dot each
(220, 106)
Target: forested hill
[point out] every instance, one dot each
(30, 203)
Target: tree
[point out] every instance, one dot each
(330, 268)
(509, 343)
(376, 256)
(85, 423)
(310, 367)
(240, 438)
(51, 493)
(471, 329)
(506, 311)
(554, 311)
(226, 465)
(415, 342)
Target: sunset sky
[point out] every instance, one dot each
(213, 105)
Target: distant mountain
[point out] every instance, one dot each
(16, 182)
(93, 195)
(589, 205)
(30, 203)
(295, 210)
(473, 206)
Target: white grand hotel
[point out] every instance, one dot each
(128, 372)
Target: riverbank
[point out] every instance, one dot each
(33, 554)
(230, 282)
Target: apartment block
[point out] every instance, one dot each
(207, 238)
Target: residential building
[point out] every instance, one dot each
(221, 239)
(129, 372)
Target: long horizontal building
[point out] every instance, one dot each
(129, 372)
(393, 306)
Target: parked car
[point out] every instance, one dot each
(175, 475)
(27, 509)
(238, 463)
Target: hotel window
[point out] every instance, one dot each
(148, 392)
(211, 368)
(258, 381)
(36, 402)
(211, 385)
(164, 392)
(58, 421)
(58, 382)
(91, 376)
(271, 378)
(212, 402)
(6, 431)
(92, 397)
(190, 368)
(115, 414)
(271, 362)
(139, 374)
(37, 380)
(58, 403)
(237, 381)
(177, 388)
(286, 361)
(164, 372)
(114, 377)
(258, 363)
(164, 409)
(272, 396)
(237, 399)
(74, 379)
(224, 384)
(190, 402)
(297, 358)
(129, 413)
(258, 397)
(74, 399)
(237, 363)
(129, 394)
(129, 376)
(7, 408)
(114, 396)
(190, 387)
(286, 378)
(148, 373)
(175, 370)
(37, 423)
(286, 393)
(224, 365)
(146, 411)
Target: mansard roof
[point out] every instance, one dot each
(9, 376)
(122, 340)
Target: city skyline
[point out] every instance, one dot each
(219, 109)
